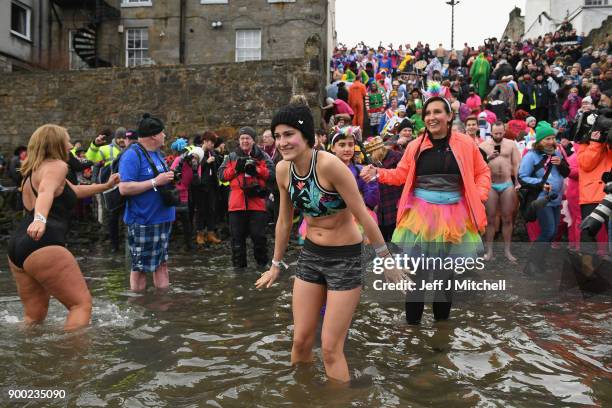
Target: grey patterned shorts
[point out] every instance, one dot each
(338, 267)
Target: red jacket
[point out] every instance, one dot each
(475, 174)
(241, 182)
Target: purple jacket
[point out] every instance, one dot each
(369, 191)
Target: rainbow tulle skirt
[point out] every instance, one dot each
(432, 229)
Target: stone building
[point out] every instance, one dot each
(24, 34)
(516, 25)
(76, 34)
(545, 16)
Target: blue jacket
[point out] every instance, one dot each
(555, 179)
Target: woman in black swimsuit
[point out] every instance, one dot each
(41, 265)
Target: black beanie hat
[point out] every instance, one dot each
(149, 126)
(297, 116)
(406, 123)
(247, 130)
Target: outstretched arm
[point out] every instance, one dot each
(84, 190)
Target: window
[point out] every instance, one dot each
(137, 47)
(588, 3)
(136, 3)
(73, 59)
(213, 1)
(248, 45)
(20, 20)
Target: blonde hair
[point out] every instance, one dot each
(48, 142)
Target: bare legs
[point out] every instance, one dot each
(53, 271)
(308, 299)
(506, 203)
(161, 280)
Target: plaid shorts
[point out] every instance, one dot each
(148, 245)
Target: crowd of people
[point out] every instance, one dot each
(433, 150)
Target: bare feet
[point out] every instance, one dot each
(509, 256)
(489, 256)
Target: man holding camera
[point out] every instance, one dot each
(148, 214)
(594, 159)
(247, 169)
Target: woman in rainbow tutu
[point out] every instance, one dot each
(441, 212)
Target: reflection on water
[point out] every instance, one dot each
(214, 340)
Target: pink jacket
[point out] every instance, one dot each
(186, 177)
(474, 172)
(571, 106)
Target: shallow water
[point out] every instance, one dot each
(214, 340)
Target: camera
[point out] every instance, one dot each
(177, 174)
(601, 121)
(250, 165)
(601, 213)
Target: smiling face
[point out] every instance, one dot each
(246, 143)
(344, 149)
(290, 142)
(471, 127)
(436, 118)
(548, 142)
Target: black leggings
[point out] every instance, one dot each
(442, 303)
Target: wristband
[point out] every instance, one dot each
(40, 217)
(280, 263)
(381, 249)
(154, 184)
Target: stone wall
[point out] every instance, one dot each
(220, 97)
(600, 35)
(516, 25)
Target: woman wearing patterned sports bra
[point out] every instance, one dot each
(41, 265)
(329, 270)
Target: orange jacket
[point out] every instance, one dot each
(474, 172)
(594, 159)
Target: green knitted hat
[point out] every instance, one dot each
(543, 130)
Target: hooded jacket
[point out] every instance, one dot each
(594, 159)
(240, 181)
(475, 174)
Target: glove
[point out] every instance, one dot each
(240, 164)
(252, 171)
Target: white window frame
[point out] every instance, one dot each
(144, 61)
(75, 62)
(213, 1)
(136, 3)
(28, 10)
(242, 59)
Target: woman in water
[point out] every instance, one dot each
(329, 269)
(40, 263)
(441, 212)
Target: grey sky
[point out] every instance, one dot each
(408, 21)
